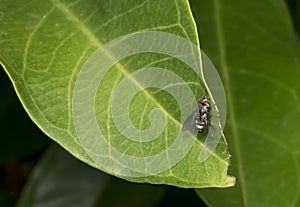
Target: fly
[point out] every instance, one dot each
(202, 116)
(199, 120)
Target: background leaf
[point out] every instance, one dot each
(43, 51)
(256, 51)
(61, 180)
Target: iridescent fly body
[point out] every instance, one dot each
(201, 115)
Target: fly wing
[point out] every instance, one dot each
(211, 131)
(209, 145)
(189, 123)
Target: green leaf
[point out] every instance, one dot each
(61, 180)
(46, 52)
(255, 48)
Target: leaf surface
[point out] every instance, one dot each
(43, 53)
